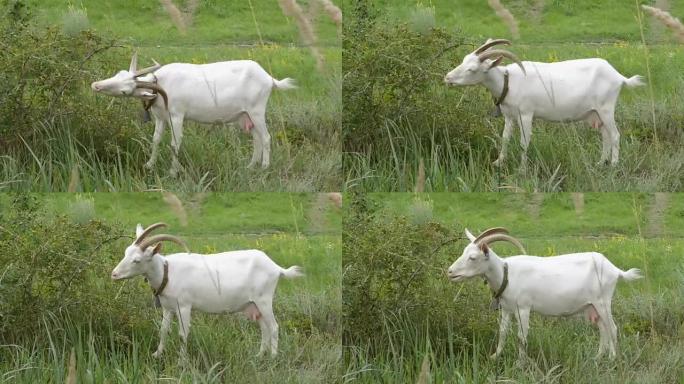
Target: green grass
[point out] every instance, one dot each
(211, 213)
(303, 123)
(562, 156)
(561, 350)
(215, 22)
(222, 348)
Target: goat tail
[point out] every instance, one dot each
(284, 84)
(632, 274)
(292, 273)
(635, 81)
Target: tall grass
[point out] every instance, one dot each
(221, 347)
(451, 131)
(90, 142)
(561, 158)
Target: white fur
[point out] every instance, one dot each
(556, 286)
(207, 93)
(238, 281)
(571, 90)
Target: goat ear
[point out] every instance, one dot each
(157, 248)
(139, 230)
(469, 235)
(485, 249)
(495, 62)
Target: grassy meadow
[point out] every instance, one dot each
(432, 330)
(450, 129)
(93, 142)
(111, 327)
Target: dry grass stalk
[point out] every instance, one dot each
(175, 15)
(74, 180)
(535, 204)
(334, 12)
(668, 20)
(424, 376)
(656, 214)
(317, 217)
(506, 16)
(71, 374)
(292, 9)
(189, 12)
(194, 203)
(176, 207)
(336, 198)
(536, 11)
(420, 180)
(578, 202)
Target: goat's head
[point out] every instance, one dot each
(138, 256)
(476, 64)
(475, 260)
(126, 83)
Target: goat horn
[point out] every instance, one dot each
(490, 231)
(147, 70)
(147, 231)
(500, 52)
(163, 237)
(156, 87)
(134, 63)
(503, 237)
(490, 43)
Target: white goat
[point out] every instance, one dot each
(208, 93)
(239, 281)
(555, 286)
(571, 90)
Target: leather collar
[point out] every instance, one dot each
(505, 89)
(504, 284)
(147, 104)
(165, 280)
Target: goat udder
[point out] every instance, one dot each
(247, 123)
(252, 312)
(592, 314)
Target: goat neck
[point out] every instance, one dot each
(495, 272)
(155, 274)
(494, 81)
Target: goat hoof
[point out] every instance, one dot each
(498, 163)
(157, 354)
(173, 172)
(493, 356)
(264, 166)
(149, 165)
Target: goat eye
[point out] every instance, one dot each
(471, 258)
(136, 261)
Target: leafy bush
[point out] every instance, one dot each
(394, 270)
(44, 84)
(393, 75)
(51, 264)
